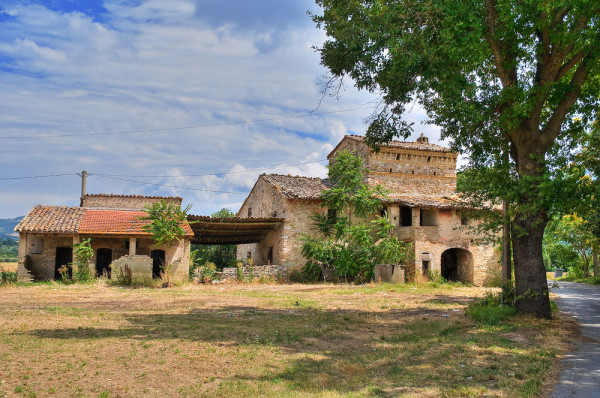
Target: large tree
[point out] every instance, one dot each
(500, 77)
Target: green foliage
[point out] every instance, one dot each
(166, 222)
(125, 276)
(514, 85)
(81, 270)
(351, 247)
(220, 255)
(309, 273)
(206, 272)
(7, 277)
(9, 250)
(488, 311)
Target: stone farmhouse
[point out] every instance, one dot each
(47, 235)
(422, 205)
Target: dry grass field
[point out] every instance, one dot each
(247, 340)
(9, 267)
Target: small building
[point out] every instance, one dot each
(422, 205)
(113, 222)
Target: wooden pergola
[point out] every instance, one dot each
(230, 230)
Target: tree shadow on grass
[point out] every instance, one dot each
(370, 353)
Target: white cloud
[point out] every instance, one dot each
(160, 65)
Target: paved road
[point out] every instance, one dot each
(580, 377)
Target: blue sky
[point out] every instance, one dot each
(196, 70)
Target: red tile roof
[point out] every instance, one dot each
(117, 222)
(51, 219)
(79, 220)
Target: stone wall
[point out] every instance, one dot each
(265, 201)
(42, 265)
(430, 242)
(276, 272)
(124, 201)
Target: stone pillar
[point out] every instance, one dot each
(132, 246)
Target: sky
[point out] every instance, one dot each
(190, 98)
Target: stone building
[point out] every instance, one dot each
(47, 235)
(422, 204)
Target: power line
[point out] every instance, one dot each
(44, 176)
(184, 127)
(207, 174)
(172, 186)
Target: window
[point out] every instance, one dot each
(249, 211)
(270, 256)
(405, 216)
(383, 212)
(429, 217)
(390, 170)
(428, 159)
(397, 156)
(464, 220)
(36, 245)
(249, 256)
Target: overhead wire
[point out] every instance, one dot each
(208, 174)
(184, 127)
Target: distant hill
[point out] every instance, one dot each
(7, 227)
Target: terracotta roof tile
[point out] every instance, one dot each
(117, 222)
(297, 187)
(51, 219)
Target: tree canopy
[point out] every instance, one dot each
(515, 85)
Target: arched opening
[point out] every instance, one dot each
(103, 261)
(158, 261)
(457, 265)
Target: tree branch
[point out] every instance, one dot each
(552, 128)
(491, 19)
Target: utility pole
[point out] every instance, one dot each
(83, 185)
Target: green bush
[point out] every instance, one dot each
(8, 277)
(487, 311)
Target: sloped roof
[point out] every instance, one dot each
(79, 220)
(110, 195)
(417, 146)
(117, 222)
(51, 219)
(297, 187)
(428, 201)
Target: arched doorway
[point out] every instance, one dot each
(103, 261)
(158, 261)
(457, 265)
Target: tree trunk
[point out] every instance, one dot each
(531, 284)
(595, 260)
(506, 252)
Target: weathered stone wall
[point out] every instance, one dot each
(276, 272)
(402, 183)
(407, 161)
(42, 264)
(264, 201)
(430, 242)
(123, 201)
(297, 223)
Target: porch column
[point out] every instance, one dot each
(132, 245)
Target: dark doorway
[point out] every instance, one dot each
(64, 256)
(457, 265)
(405, 216)
(270, 256)
(103, 261)
(158, 261)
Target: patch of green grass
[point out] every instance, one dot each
(593, 280)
